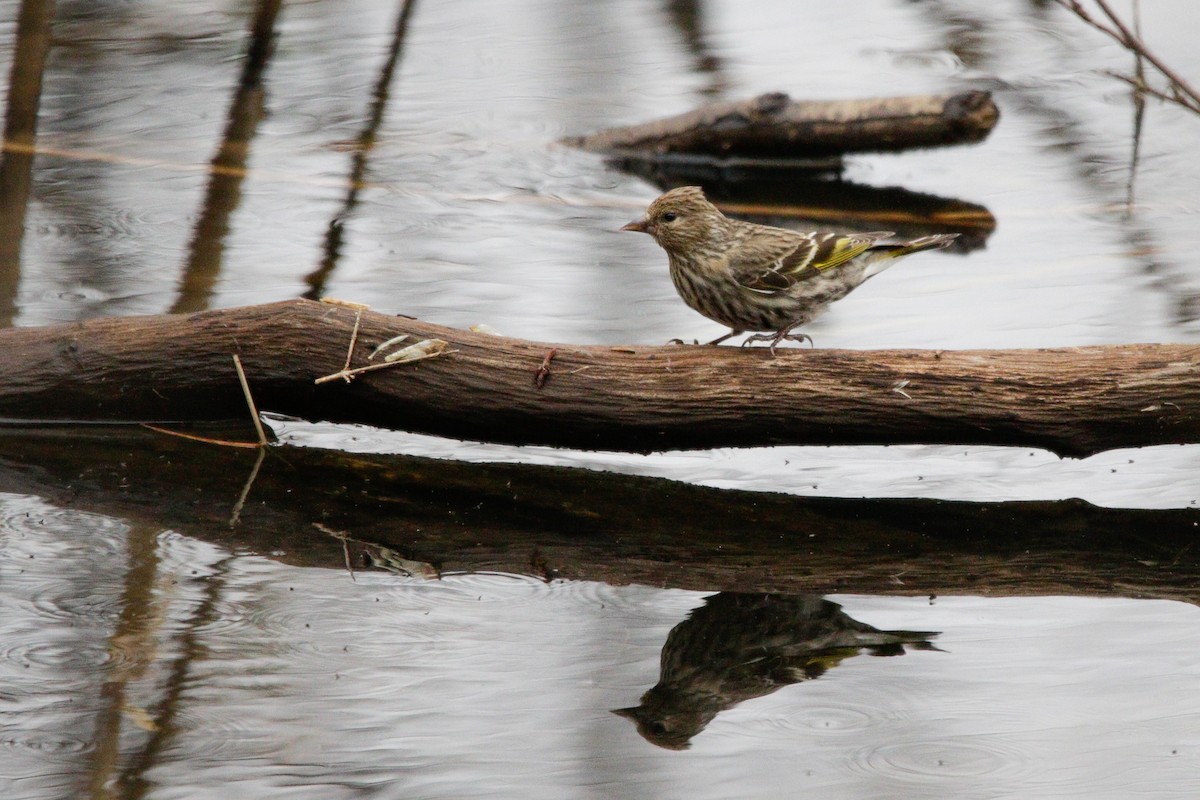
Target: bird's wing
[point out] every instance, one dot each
(763, 268)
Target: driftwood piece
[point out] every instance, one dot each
(773, 126)
(559, 522)
(1072, 401)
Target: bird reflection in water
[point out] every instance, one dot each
(739, 646)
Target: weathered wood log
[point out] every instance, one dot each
(559, 522)
(773, 126)
(1073, 401)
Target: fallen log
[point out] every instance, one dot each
(773, 126)
(427, 516)
(1072, 401)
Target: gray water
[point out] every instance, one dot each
(138, 661)
(248, 678)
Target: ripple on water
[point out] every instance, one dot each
(831, 717)
(45, 743)
(594, 595)
(837, 701)
(634, 600)
(211, 729)
(70, 656)
(95, 608)
(988, 757)
(492, 588)
(32, 519)
(42, 544)
(297, 631)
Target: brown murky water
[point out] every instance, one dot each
(404, 155)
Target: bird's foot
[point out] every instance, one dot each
(681, 341)
(775, 338)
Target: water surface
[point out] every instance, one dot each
(139, 660)
(196, 672)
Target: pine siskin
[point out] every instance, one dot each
(759, 278)
(738, 646)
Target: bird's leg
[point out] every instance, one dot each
(720, 339)
(778, 336)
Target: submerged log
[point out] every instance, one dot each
(428, 517)
(773, 126)
(1072, 401)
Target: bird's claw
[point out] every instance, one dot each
(776, 338)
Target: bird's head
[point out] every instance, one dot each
(681, 220)
(670, 731)
(670, 717)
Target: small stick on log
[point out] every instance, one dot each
(773, 126)
(258, 428)
(543, 372)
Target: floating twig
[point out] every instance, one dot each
(206, 439)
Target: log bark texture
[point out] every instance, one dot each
(1073, 401)
(773, 126)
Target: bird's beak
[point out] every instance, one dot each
(639, 225)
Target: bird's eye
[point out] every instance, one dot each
(670, 216)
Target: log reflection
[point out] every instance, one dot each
(737, 647)
(577, 524)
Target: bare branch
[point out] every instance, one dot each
(1178, 91)
(1140, 85)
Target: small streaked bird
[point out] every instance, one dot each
(736, 647)
(759, 278)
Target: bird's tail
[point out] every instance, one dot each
(934, 241)
(882, 256)
(893, 643)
